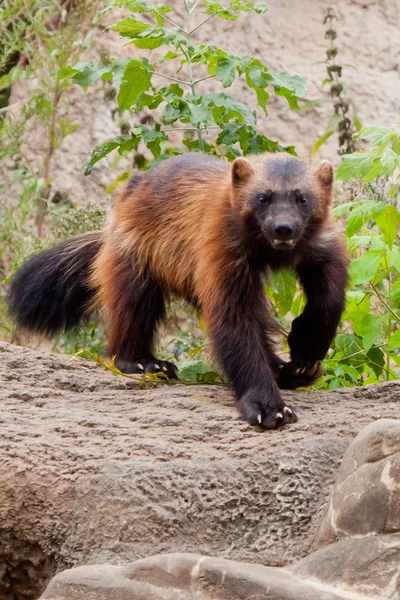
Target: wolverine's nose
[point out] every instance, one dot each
(283, 229)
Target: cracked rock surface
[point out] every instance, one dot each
(96, 470)
(362, 565)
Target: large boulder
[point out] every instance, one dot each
(95, 469)
(364, 564)
(366, 497)
(183, 577)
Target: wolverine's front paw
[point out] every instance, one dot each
(296, 374)
(269, 413)
(147, 365)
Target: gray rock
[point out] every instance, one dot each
(369, 565)
(366, 497)
(184, 577)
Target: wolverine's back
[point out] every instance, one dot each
(164, 214)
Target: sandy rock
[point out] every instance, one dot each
(358, 567)
(96, 470)
(366, 565)
(183, 577)
(366, 497)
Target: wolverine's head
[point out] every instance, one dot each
(283, 194)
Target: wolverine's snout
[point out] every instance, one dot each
(282, 231)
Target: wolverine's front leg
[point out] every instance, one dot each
(324, 282)
(234, 317)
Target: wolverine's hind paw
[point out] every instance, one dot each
(147, 365)
(295, 375)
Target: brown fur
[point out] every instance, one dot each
(185, 227)
(209, 232)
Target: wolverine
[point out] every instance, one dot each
(209, 232)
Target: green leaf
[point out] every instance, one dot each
(130, 27)
(291, 87)
(390, 161)
(136, 79)
(394, 256)
(171, 113)
(258, 76)
(199, 114)
(321, 141)
(394, 343)
(294, 83)
(153, 138)
(380, 135)
(230, 107)
(226, 70)
(364, 268)
(86, 74)
(197, 371)
(341, 209)
(387, 222)
(100, 152)
(369, 328)
(376, 360)
(355, 165)
(283, 287)
(334, 120)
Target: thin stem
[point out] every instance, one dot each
(191, 32)
(170, 21)
(389, 328)
(188, 128)
(9, 106)
(188, 83)
(194, 6)
(47, 161)
(190, 72)
(203, 79)
(396, 316)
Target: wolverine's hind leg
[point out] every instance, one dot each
(134, 305)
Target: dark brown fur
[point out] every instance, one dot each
(201, 229)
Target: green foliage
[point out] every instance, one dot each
(222, 124)
(367, 349)
(36, 40)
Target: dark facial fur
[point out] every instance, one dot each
(281, 195)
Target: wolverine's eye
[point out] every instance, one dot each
(263, 198)
(302, 199)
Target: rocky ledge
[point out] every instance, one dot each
(95, 469)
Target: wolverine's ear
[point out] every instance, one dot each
(241, 171)
(324, 173)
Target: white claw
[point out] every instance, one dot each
(279, 415)
(140, 366)
(259, 419)
(164, 369)
(286, 409)
(156, 366)
(297, 372)
(303, 370)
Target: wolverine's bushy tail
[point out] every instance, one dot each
(51, 291)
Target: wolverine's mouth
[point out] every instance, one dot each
(283, 244)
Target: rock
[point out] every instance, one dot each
(96, 470)
(183, 577)
(367, 565)
(361, 567)
(366, 497)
